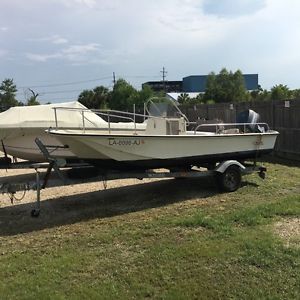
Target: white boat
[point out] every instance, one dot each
(21, 125)
(166, 143)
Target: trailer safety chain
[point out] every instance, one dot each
(13, 198)
(11, 189)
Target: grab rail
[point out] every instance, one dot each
(220, 127)
(108, 113)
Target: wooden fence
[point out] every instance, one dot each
(283, 116)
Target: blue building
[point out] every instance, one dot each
(197, 83)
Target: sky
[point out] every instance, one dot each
(60, 47)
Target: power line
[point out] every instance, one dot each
(66, 99)
(66, 83)
(84, 81)
(141, 76)
(42, 93)
(45, 93)
(62, 92)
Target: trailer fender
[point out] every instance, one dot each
(223, 166)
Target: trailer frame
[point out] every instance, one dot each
(227, 174)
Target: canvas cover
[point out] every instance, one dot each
(43, 116)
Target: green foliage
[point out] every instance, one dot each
(226, 87)
(33, 99)
(124, 95)
(210, 101)
(8, 94)
(281, 92)
(97, 98)
(199, 99)
(296, 94)
(260, 95)
(145, 94)
(183, 98)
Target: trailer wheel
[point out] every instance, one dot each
(230, 180)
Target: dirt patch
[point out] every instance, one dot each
(289, 230)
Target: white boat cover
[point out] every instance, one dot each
(43, 116)
(20, 125)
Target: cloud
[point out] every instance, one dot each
(54, 39)
(232, 8)
(87, 3)
(80, 53)
(140, 36)
(42, 57)
(88, 54)
(73, 53)
(81, 49)
(59, 40)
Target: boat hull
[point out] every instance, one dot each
(21, 144)
(144, 151)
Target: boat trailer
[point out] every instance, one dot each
(227, 174)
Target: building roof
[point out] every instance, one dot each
(196, 84)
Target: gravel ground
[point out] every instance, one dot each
(289, 230)
(62, 204)
(56, 189)
(68, 204)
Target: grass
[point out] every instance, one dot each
(246, 216)
(177, 247)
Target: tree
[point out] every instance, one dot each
(97, 98)
(211, 89)
(124, 95)
(296, 94)
(33, 99)
(8, 94)
(239, 92)
(101, 97)
(183, 98)
(281, 92)
(198, 100)
(143, 95)
(226, 87)
(260, 95)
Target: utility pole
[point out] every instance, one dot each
(114, 78)
(164, 75)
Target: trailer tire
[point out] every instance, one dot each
(230, 180)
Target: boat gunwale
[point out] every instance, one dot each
(126, 135)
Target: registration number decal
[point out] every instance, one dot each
(125, 142)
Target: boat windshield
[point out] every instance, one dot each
(163, 107)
